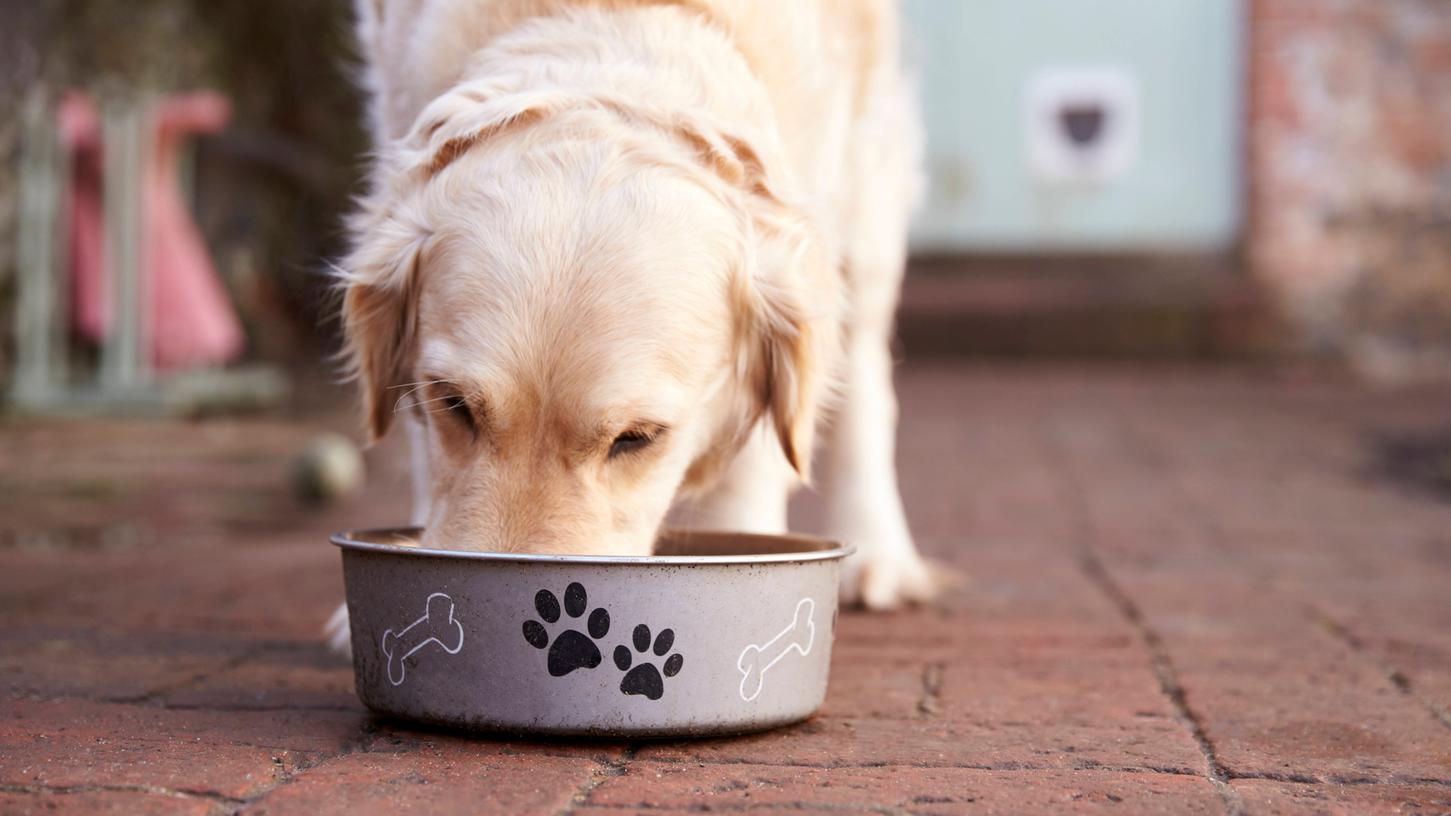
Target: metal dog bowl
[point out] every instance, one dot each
(720, 633)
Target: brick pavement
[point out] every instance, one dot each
(1191, 591)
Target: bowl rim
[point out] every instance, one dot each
(825, 549)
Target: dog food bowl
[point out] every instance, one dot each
(720, 633)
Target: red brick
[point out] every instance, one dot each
(115, 665)
(942, 743)
(1401, 626)
(1323, 100)
(881, 689)
(1306, 726)
(29, 578)
(1277, 694)
(1229, 508)
(1111, 689)
(284, 590)
(795, 809)
(455, 777)
(1274, 798)
(392, 737)
(86, 803)
(1010, 600)
(899, 638)
(298, 676)
(652, 785)
(803, 810)
(69, 743)
(1424, 664)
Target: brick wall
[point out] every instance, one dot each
(1350, 176)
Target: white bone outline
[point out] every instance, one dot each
(810, 641)
(403, 669)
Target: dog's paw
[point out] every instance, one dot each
(882, 581)
(338, 633)
(885, 572)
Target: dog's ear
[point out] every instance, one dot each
(785, 333)
(784, 345)
(380, 282)
(380, 277)
(470, 114)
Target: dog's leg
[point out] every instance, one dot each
(751, 495)
(863, 504)
(336, 630)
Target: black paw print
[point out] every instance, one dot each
(645, 678)
(572, 649)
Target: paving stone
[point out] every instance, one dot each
(1082, 687)
(907, 636)
(301, 675)
(1303, 725)
(943, 743)
(388, 736)
(1280, 696)
(798, 808)
(70, 743)
(453, 777)
(1010, 602)
(1299, 596)
(49, 661)
(284, 589)
(883, 688)
(1274, 798)
(85, 803)
(1400, 627)
(655, 785)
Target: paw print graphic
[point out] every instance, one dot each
(644, 678)
(570, 649)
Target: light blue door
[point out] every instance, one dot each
(1079, 124)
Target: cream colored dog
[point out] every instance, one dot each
(618, 256)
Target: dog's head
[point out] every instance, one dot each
(588, 306)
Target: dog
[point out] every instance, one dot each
(619, 256)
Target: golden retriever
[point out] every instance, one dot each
(622, 255)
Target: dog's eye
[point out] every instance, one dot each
(630, 441)
(457, 408)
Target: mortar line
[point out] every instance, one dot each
(1342, 781)
(155, 790)
(158, 694)
(799, 805)
(1168, 679)
(1091, 565)
(997, 767)
(357, 745)
(33, 694)
(930, 704)
(605, 769)
(1397, 678)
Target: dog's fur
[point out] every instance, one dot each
(618, 255)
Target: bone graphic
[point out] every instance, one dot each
(436, 626)
(755, 661)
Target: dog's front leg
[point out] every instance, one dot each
(863, 505)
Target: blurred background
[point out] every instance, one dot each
(1262, 184)
(1195, 177)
